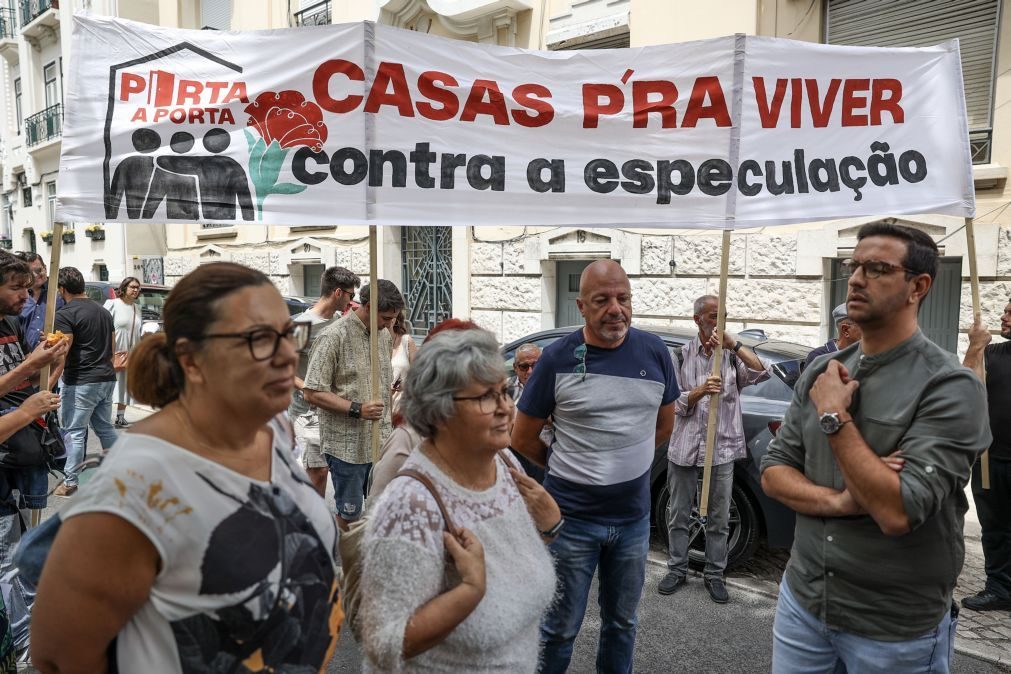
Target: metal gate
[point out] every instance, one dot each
(427, 254)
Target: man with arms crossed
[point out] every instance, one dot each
(610, 390)
(337, 287)
(878, 544)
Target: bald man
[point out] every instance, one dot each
(610, 390)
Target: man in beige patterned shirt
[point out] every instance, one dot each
(338, 382)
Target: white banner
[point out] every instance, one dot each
(363, 123)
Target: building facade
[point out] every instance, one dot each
(514, 281)
(35, 46)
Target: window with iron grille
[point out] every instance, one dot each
(427, 255)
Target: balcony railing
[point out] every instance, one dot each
(980, 141)
(8, 24)
(314, 15)
(45, 125)
(33, 9)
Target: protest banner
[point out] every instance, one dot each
(364, 123)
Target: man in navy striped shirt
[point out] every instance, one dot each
(610, 390)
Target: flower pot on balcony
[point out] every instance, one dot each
(68, 237)
(95, 234)
(6, 243)
(47, 237)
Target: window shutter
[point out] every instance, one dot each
(216, 14)
(923, 23)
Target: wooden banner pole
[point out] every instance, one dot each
(714, 398)
(54, 275)
(49, 321)
(977, 312)
(374, 336)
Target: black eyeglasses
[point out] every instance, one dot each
(872, 268)
(264, 342)
(490, 400)
(524, 366)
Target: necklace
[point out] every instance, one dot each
(190, 427)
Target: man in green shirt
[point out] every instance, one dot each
(874, 455)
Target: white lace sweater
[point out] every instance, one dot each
(406, 565)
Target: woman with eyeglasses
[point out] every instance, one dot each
(128, 322)
(469, 599)
(199, 544)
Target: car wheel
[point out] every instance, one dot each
(745, 528)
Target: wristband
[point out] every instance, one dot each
(553, 531)
(355, 411)
(737, 346)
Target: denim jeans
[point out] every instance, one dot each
(683, 485)
(350, 483)
(802, 644)
(993, 506)
(620, 553)
(80, 406)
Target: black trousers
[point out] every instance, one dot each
(993, 507)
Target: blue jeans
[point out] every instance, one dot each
(350, 482)
(80, 406)
(620, 553)
(802, 643)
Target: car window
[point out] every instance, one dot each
(779, 386)
(95, 294)
(152, 302)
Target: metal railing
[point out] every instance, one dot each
(314, 15)
(33, 9)
(45, 125)
(980, 142)
(8, 24)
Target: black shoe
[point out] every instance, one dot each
(986, 601)
(121, 423)
(671, 583)
(717, 590)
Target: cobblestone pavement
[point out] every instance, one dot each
(984, 635)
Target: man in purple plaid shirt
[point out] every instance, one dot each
(687, 450)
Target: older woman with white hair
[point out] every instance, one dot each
(471, 599)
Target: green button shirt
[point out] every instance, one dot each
(915, 397)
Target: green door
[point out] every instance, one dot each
(566, 311)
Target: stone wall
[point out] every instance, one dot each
(272, 259)
(763, 290)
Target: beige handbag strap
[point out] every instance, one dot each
(430, 486)
(133, 329)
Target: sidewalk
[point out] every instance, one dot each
(986, 636)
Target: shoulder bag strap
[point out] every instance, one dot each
(133, 328)
(430, 486)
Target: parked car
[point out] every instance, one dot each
(151, 300)
(297, 305)
(753, 515)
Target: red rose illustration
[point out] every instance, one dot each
(289, 119)
(284, 120)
